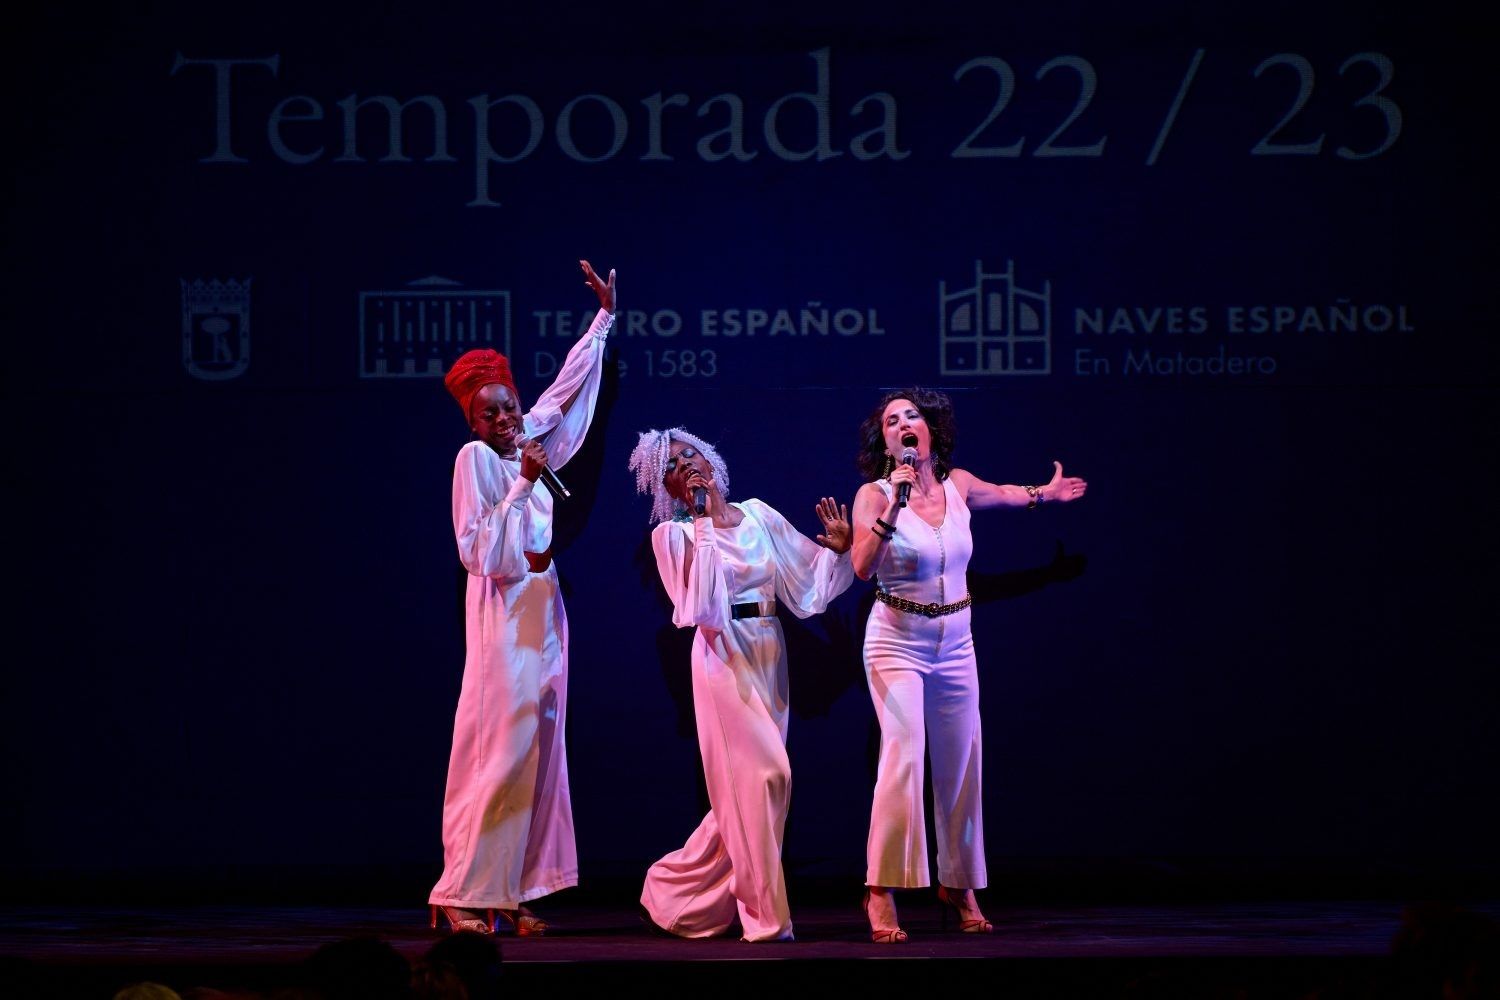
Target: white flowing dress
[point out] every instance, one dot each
(731, 865)
(507, 817)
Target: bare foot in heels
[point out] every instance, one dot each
(880, 910)
(966, 908)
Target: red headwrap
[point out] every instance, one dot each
(473, 372)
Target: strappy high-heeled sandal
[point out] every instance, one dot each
(970, 925)
(881, 935)
(461, 919)
(523, 922)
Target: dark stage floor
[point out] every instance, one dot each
(1269, 949)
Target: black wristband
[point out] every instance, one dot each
(890, 528)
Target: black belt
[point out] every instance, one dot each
(752, 609)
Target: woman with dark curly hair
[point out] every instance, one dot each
(919, 652)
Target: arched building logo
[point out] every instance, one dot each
(215, 328)
(416, 331)
(995, 327)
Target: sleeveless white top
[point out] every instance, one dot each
(927, 564)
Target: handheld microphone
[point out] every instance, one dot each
(700, 500)
(908, 457)
(549, 477)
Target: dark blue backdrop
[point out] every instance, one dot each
(1236, 272)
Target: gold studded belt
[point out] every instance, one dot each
(933, 610)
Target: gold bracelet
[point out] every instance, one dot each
(1035, 493)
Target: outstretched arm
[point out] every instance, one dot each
(980, 495)
(808, 575)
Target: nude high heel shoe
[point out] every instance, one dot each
(881, 935)
(524, 922)
(954, 903)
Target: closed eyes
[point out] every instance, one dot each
(684, 453)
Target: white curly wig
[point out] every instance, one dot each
(649, 463)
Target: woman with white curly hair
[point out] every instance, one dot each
(725, 566)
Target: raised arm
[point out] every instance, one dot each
(980, 495)
(563, 412)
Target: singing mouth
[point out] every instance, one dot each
(908, 441)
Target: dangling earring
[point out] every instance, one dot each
(890, 466)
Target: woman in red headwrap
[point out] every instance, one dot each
(507, 818)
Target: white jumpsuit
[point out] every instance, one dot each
(732, 862)
(507, 818)
(926, 692)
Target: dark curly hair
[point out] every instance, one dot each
(936, 408)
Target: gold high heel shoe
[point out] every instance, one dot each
(457, 921)
(972, 925)
(524, 923)
(881, 935)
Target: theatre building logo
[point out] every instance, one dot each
(215, 328)
(995, 327)
(414, 332)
